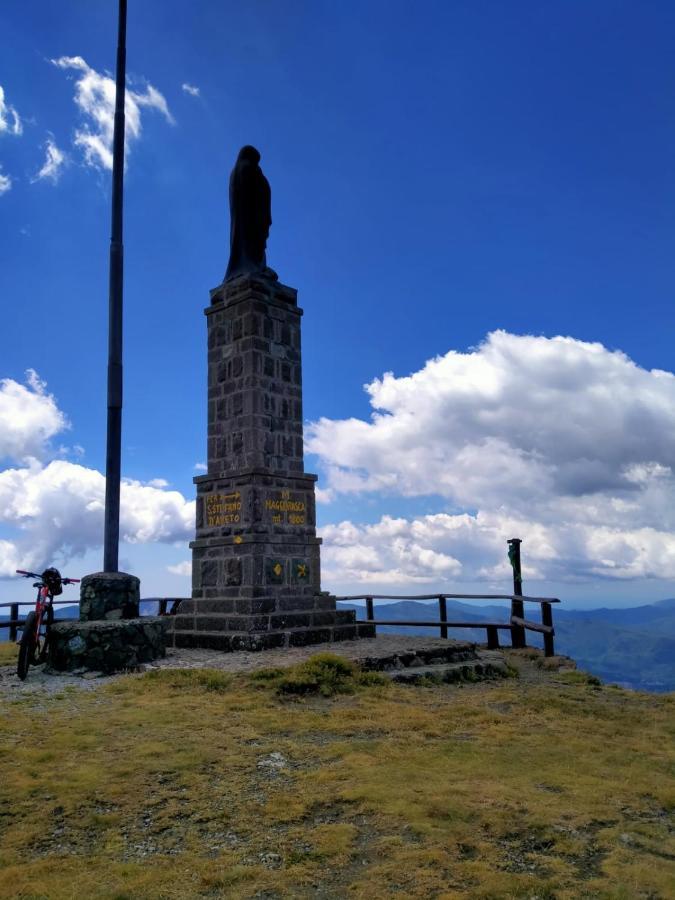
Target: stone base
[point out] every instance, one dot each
(263, 623)
(230, 641)
(109, 595)
(107, 646)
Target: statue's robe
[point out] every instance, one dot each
(250, 215)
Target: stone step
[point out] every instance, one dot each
(468, 670)
(452, 651)
(252, 640)
(282, 621)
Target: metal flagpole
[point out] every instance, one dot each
(114, 439)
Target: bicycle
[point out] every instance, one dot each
(35, 635)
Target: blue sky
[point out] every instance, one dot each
(461, 181)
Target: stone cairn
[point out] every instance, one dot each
(255, 562)
(110, 635)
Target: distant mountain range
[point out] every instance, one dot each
(632, 647)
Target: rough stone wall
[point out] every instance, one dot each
(255, 379)
(106, 646)
(109, 595)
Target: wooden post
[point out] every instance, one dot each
(517, 609)
(547, 619)
(13, 615)
(369, 608)
(443, 612)
(492, 638)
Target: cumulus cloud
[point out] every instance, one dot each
(29, 418)
(10, 122)
(5, 183)
(517, 419)
(531, 435)
(324, 495)
(54, 161)
(56, 506)
(95, 98)
(449, 549)
(190, 89)
(182, 568)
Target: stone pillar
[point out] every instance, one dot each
(255, 560)
(109, 595)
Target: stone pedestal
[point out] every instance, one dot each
(255, 560)
(109, 595)
(109, 636)
(106, 646)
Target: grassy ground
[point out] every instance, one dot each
(195, 783)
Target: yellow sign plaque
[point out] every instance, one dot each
(223, 509)
(286, 508)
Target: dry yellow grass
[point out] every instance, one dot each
(167, 786)
(8, 653)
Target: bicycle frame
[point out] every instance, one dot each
(34, 641)
(43, 603)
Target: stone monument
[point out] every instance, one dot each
(256, 580)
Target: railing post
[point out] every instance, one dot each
(13, 615)
(492, 638)
(162, 607)
(547, 619)
(369, 608)
(517, 631)
(443, 613)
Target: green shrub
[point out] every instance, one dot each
(326, 674)
(191, 679)
(267, 676)
(579, 677)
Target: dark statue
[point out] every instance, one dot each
(250, 215)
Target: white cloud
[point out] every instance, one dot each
(58, 510)
(10, 122)
(56, 507)
(190, 89)
(95, 97)
(515, 420)
(29, 418)
(554, 437)
(182, 568)
(54, 161)
(444, 549)
(5, 183)
(201, 467)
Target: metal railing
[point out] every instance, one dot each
(14, 622)
(517, 624)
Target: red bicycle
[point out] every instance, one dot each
(35, 635)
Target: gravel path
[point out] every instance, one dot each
(41, 680)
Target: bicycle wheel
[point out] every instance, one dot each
(27, 647)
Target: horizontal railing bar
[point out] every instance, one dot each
(449, 597)
(502, 625)
(73, 602)
(13, 622)
(532, 626)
